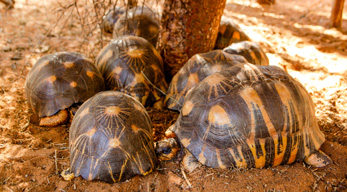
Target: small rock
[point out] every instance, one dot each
(43, 49)
(7, 48)
(17, 56)
(13, 66)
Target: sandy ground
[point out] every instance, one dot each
(295, 35)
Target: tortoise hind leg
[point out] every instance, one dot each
(318, 159)
(190, 163)
(59, 118)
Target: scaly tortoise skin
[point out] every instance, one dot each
(195, 70)
(110, 18)
(229, 32)
(248, 116)
(131, 65)
(59, 80)
(111, 139)
(138, 21)
(252, 52)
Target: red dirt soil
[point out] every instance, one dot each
(294, 34)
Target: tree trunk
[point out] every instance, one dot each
(8, 3)
(336, 13)
(188, 27)
(269, 2)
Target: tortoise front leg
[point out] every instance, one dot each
(169, 133)
(318, 159)
(190, 163)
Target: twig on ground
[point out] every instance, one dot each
(3, 159)
(208, 175)
(185, 177)
(9, 189)
(56, 162)
(25, 126)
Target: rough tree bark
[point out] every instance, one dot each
(266, 2)
(8, 3)
(336, 13)
(188, 27)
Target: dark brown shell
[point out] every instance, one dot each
(58, 80)
(110, 18)
(111, 139)
(131, 65)
(252, 52)
(138, 21)
(229, 32)
(195, 70)
(249, 116)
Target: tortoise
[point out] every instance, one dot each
(138, 21)
(110, 18)
(111, 139)
(130, 64)
(246, 116)
(58, 81)
(229, 32)
(195, 70)
(252, 52)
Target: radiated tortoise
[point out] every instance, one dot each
(130, 64)
(111, 139)
(247, 116)
(110, 18)
(229, 32)
(58, 81)
(139, 21)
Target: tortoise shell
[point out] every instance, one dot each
(138, 21)
(229, 32)
(249, 116)
(252, 52)
(195, 70)
(131, 65)
(58, 80)
(111, 139)
(110, 18)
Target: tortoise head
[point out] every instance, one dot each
(167, 149)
